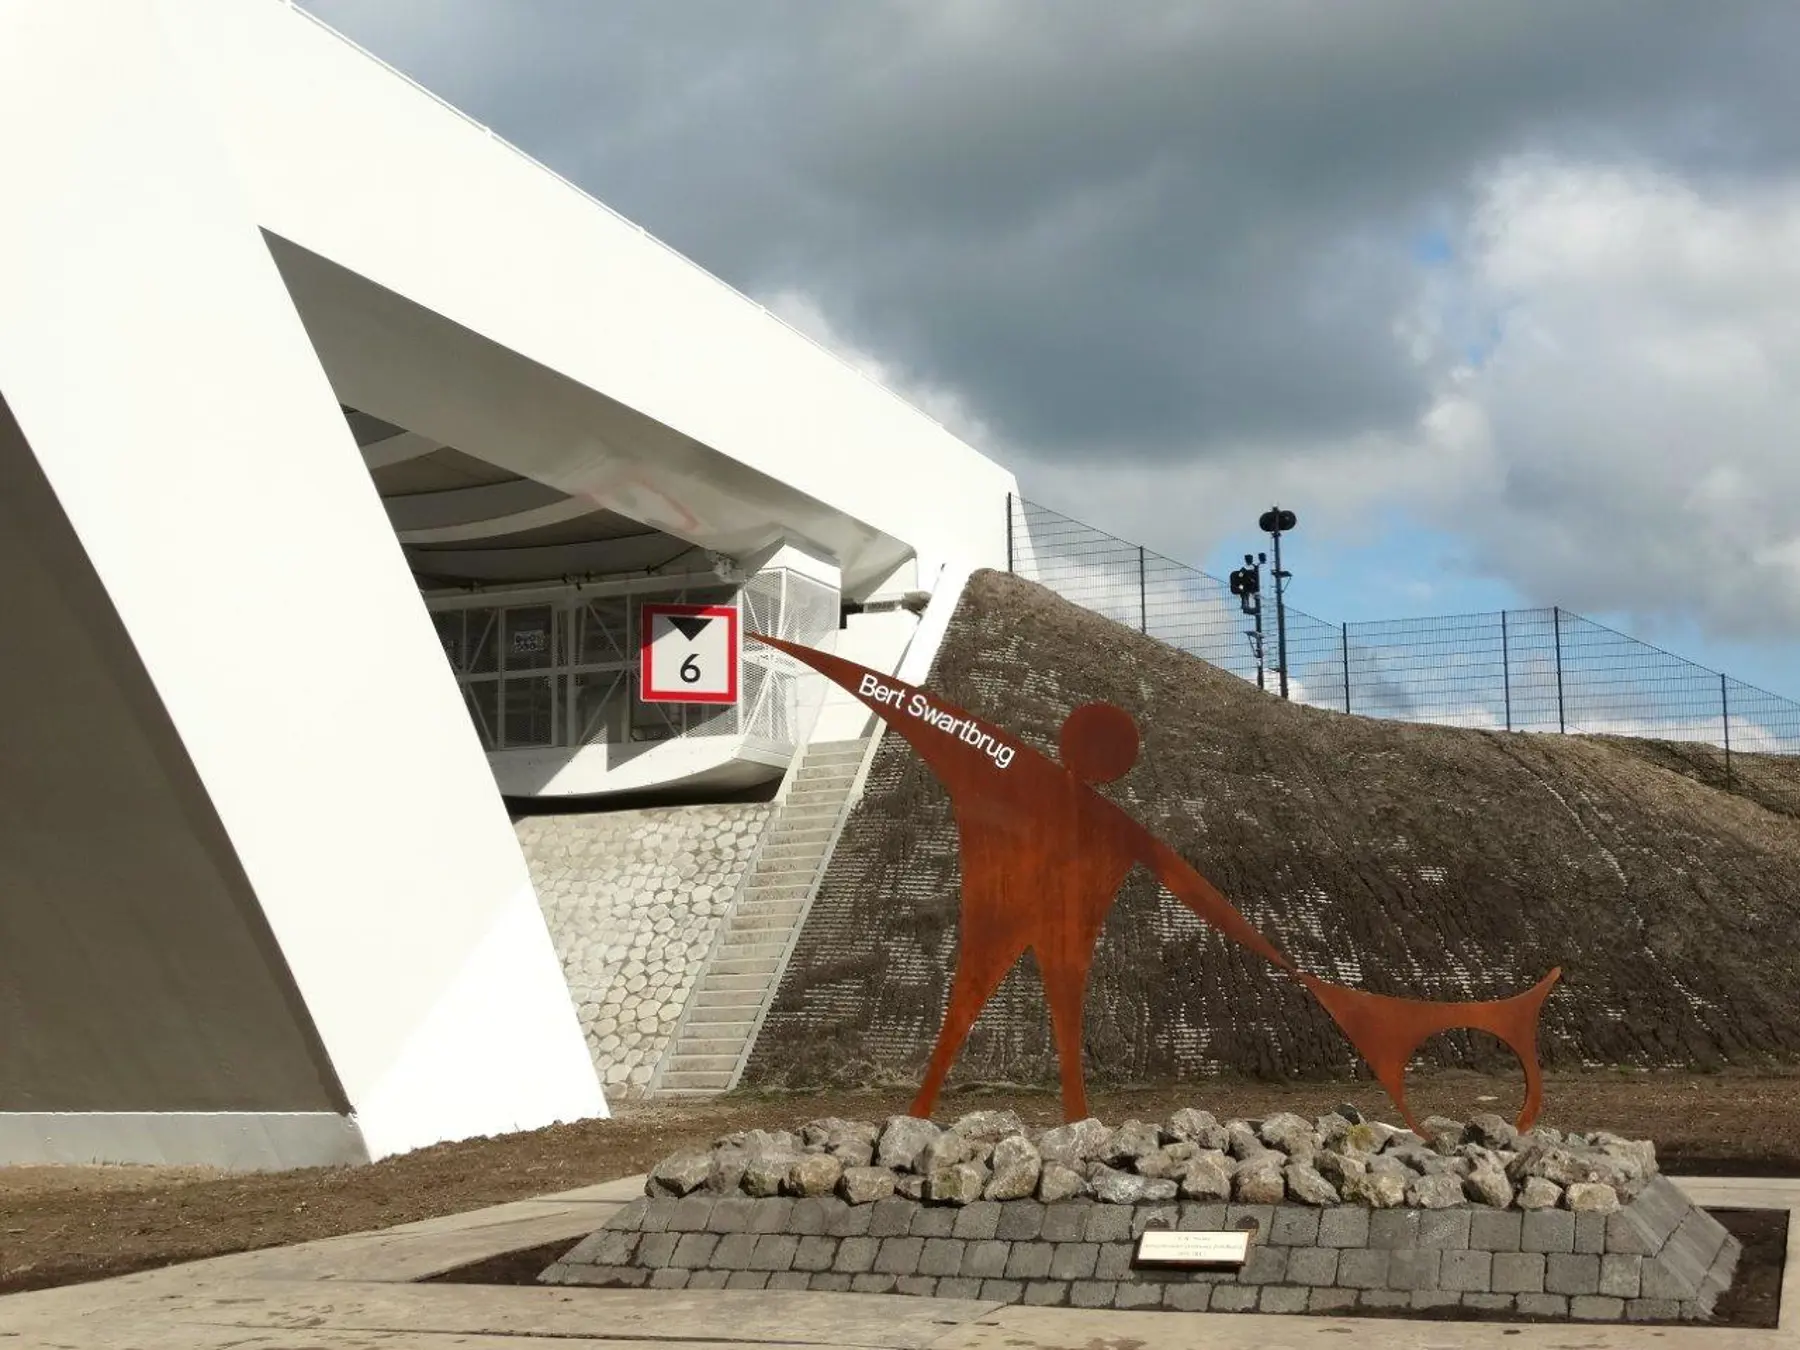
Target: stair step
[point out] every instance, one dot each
(805, 850)
(772, 907)
(724, 1045)
(800, 834)
(668, 1093)
(675, 1081)
(731, 1019)
(743, 965)
(741, 1002)
(684, 1063)
(749, 943)
(761, 892)
(818, 775)
(727, 984)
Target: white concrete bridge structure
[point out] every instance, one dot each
(307, 382)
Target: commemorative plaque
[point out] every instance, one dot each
(1163, 1248)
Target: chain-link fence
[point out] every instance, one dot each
(1517, 670)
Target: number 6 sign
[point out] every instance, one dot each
(689, 654)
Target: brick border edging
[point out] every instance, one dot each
(1662, 1258)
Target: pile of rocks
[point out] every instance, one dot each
(1340, 1158)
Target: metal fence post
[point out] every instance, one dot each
(1725, 716)
(1505, 670)
(1009, 532)
(1346, 667)
(1143, 610)
(1562, 719)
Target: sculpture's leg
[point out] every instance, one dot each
(1065, 990)
(978, 973)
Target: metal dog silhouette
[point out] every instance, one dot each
(1043, 856)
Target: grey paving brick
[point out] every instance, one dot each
(1108, 1223)
(1542, 1305)
(942, 1256)
(985, 1260)
(694, 1251)
(1652, 1310)
(812, 1215)
(1488, 1302)
(1282, 1298)
(1390, 1229)
(1363, 1268)
(1092, 1293)
(1414, 1269)
(1029, 1260)
(1446, 1230)
(1003, 1291)
(892, 1217)
(1547, 1230)
(1266, 1265)
(1295, 1226)
(1330, 1300)
(1115, 1260)
(608, 1277)
(978, 1221)
(856, 1255)
(815, 1253)
(774, 1251)
(691, 1214)
(1596, 1308)
(1590, 1233)
(936, 1221)
(920, 1286)
(1571, 1273)
(1065, 1221)
(1694, 1243)
(669, 1278)
(1241, 1216)
(630, 1217)
(771, 1215)
(1203, 1216)
(1661, 1206)
(1467, 1272)
(1344, 1226)
(1233, 1298)
(1151, 1218)
(1020, 1220)
(748, 1279)
(655, 1249)
(1619, 1275)
(954, 1287)
(656, 1215)
(1132, 1295)
(713, 1279)
(1435, 1298)
(1384, 1298)
(1046, 1293)
(899, 1256)
(1628, 1234)
(1658, 1278)
(604, 1248)
(1074, 1261)
(1188, 1297)
(730, 1215)
(873, 1282)
(850, 1221)
(790, 1279)
(1518, 1272)
(1313, 1265)
(1495, 1230)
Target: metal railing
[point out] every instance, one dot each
(1515, 670)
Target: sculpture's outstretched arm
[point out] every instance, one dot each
(1205, 899)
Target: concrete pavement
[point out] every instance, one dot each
(359, 1291)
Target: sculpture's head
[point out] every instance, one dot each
(1099, 742)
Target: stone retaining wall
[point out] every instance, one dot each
(1661, 1258)
(633, 900)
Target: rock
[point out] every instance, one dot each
(902, 1139)
(1639, 1152)
(766, 1174)
(1243, 1141)
(1490, 1131)
(1156, 1190)
(1377, 1190)
(1537, 1193)
(1386, 1165)
(947, 1150)
(909, 1187)
(1413, 1157)
(1016, 1167)
(679, 1174)
(1441, 1134)
(1367, 1137)
(1566, 1166)
(1331, 1130)
(1591, 1197)
(1072, 1145)
(1117, 1188)
(1486, 1184)
(1259, 1181)
(1344, 1111)
(1306, 1185)
(1168, 1162)
(1207, 1177)
(833, 1132)
(866, 1185)
(989, 1126)
(960, 1184)
(1059, 1183)
(1199, 1128)
(755, 1142)
(1290, 1133)
(814, 1174)
(727, 1171)
(1133, 1140)
(854, 1153)
(1443, 1191)
(1337, 1167)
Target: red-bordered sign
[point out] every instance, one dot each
(689, 654)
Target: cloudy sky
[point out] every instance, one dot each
(1503, 298)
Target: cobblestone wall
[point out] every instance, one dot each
(634, 900)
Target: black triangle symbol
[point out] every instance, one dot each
(690, 626)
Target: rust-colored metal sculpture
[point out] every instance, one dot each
(1043, 856)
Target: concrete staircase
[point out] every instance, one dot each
(727, 1006)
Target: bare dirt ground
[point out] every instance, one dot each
(65, 1225)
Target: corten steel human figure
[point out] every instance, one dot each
(1043, 856)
